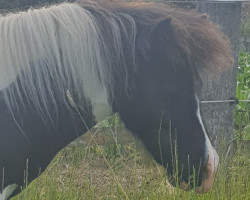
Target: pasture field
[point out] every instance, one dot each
(111, 166)
(115, 170)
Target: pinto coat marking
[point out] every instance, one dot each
(140, 60)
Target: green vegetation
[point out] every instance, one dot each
(242, 112)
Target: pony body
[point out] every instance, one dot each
(140, 60)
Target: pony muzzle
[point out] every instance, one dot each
(209, 174)
(210, 171)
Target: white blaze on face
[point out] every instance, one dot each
(7, 191)
(213, 160)
(212, 163)
(211, 168)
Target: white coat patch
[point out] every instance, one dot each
(6, 79)
(60, 48)
(213, 159)
(100, 105)
(209, 147)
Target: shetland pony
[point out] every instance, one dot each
(65, 67)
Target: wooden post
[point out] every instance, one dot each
(219, 117)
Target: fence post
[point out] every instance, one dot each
(219, 117)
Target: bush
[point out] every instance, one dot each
(242, 112)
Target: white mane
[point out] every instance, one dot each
(59, 48)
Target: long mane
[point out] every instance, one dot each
(204, 44)
(63, 48)
(89, 48)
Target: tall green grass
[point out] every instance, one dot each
(96, 172)
(242, 112)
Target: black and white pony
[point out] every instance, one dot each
(65, 67)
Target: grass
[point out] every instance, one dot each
(123, 171)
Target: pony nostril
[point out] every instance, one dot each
(209, 172)
(184, 186)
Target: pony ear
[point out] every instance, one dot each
(165, 48)
(191, 39)
(161, 34)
